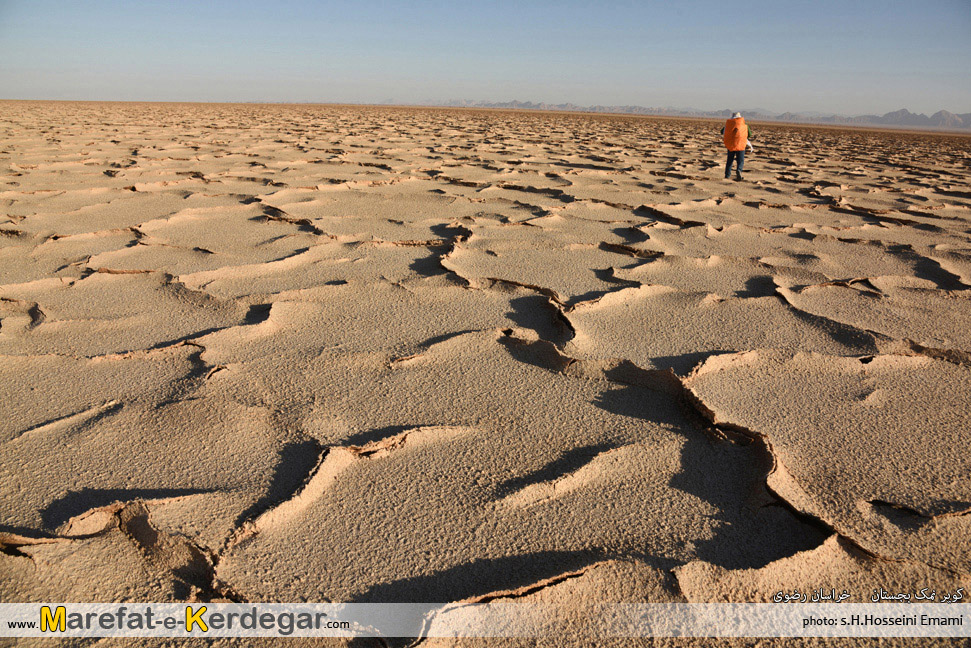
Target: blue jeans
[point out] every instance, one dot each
(732, 156)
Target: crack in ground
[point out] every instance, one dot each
(763, 444)
(191, 566)
(331, 463)
(664, 217)
(31, 309)
(84, 417)
(519, 592)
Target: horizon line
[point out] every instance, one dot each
(450, 103)
(577, 110)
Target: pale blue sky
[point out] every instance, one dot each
(847, 56)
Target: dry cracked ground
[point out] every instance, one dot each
(305, 353)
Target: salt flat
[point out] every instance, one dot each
(338, 353)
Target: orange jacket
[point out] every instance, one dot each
(736, 134)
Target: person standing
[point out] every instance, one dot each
(735, 134)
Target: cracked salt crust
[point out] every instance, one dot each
(335, 353)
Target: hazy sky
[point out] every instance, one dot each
(842, 56)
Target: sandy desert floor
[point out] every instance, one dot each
(322, 353)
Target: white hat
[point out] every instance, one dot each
(736, 115)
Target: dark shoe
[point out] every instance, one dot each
(738, 176)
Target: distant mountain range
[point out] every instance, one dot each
(902, 118)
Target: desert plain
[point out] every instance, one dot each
(368, 354)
